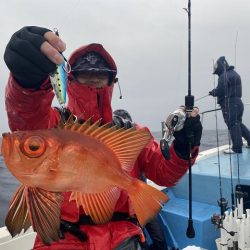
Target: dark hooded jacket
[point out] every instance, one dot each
(229, 82)
(30, 109)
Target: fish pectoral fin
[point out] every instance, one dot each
(146, 200)
(17, 217)
(44, 212)
(99, 206)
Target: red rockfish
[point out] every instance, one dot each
(92, 162)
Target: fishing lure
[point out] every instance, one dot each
(59, 80)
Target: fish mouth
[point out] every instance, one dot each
(6, 145)
(5, 135)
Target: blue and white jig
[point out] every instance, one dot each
(59, 80)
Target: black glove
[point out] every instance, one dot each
(29, 66)
(73, 228)
(212, 93)
(191, 133)
(122, 123)
(122, 118)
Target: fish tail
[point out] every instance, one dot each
(146, 200)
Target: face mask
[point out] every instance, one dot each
(88, 102)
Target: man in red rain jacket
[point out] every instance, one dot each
(31, 55)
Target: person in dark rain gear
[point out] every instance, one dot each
(229, 93)
(31, 55)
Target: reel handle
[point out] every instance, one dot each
(174, 122)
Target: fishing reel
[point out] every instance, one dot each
(174, 122)
(217, 219)
(239, 193)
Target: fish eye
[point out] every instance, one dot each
(33, 146)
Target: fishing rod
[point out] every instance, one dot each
(175, 122)
(237, 194)
(208, 111)
(211, 110)
(198, 99)
(217, 220)
(222, 202)
(227, 106)
(189, 104)
(235, 48)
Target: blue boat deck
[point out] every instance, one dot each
(175, 218)
(205, 173)
(206, 192)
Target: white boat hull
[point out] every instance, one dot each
(24, 241)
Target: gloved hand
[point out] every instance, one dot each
(191, 133)
(212, 92)
(122, 123)
(122, 118)
(31, 54)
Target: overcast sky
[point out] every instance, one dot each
(148, 40)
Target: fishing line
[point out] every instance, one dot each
(235, 54)
(67, 69)
(235, 48)
(68, 18)
(234, 194)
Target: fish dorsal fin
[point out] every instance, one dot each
(99, 206)
(44, 211)
(126, 144)
(17, 217)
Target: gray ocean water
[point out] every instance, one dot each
(8, 183)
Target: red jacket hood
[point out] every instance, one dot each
(84, 101)
(94, 47)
